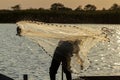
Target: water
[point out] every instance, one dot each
(19, 56)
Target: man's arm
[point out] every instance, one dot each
(79, 60)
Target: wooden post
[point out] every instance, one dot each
(25, 77)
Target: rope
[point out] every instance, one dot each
(45, 51)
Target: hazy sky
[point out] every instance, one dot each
(6, 4)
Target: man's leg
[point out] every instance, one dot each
(66, 69)
(53, 69)
(67, 73)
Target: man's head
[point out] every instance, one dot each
(77, 42)
(76, 47)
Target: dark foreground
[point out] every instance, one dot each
(4, 77)
(99, 78)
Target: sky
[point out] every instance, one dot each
(100, 4)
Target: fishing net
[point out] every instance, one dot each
(49, 35)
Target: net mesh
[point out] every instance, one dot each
(48, 36)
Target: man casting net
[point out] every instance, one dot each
(49, 35)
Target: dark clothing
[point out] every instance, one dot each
(54, 67)
(63, 50)
(63, 53)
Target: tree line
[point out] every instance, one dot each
(58, 13)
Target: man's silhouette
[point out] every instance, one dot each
(63, 53)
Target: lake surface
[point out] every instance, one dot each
(19, 55)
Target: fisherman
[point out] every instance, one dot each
(63, 53)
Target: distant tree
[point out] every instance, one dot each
(103, 9)
(66, 9)
(16, 7)
(79, 8)
(32, 8)
(90, 7)
(41, 9)
(57, 6)
(115, 7)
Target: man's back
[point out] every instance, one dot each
(63, 50)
